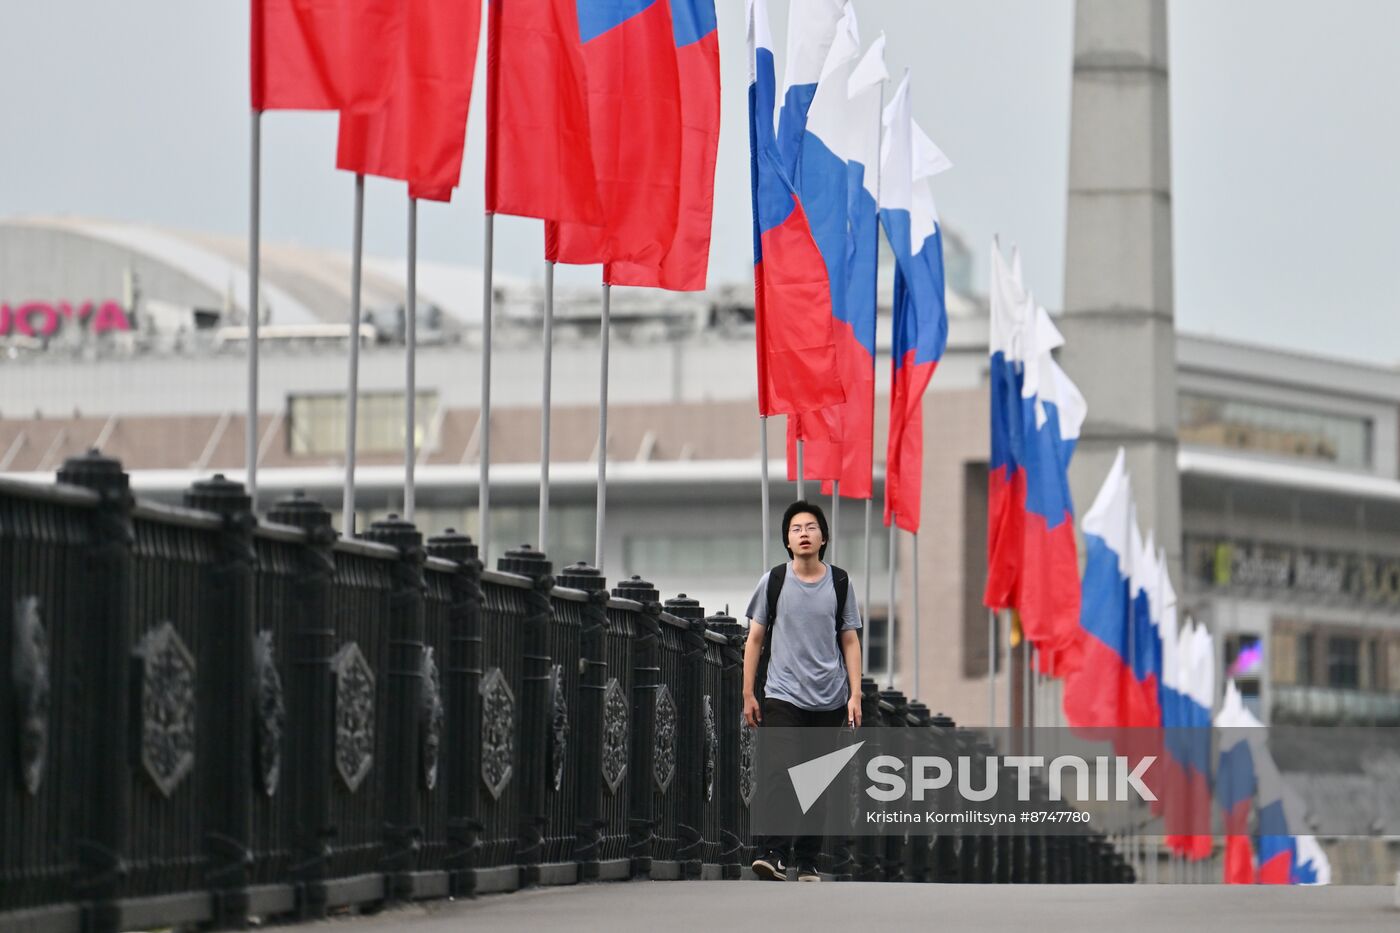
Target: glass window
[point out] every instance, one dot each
(657, 556)
(571, 537)
(1244, 656)
(1244, 661)
(1307, 648)
(1343, 662)
(316, 423)
(1215, 421)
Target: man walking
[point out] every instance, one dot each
(801, 661)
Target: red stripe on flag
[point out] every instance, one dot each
(1277, 870)
(796, 347)
(1049, 593)
(840, 446)
(1101, 691)
(1239, 860)
(904, 458)
(539, 158)
(324, 54)
(1006, 498)
(418, 134)
(687, 258)
(634, 114)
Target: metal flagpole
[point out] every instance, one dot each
(352, 395)
(1037, 686)
(763, 472)
(835, 518)
(992, 624)
(889, 635)
(1010, 677)
(801, 479)
(870, 500)
(1131, 841)
(914, 586)
(250, 439)
(410, 431)
(545, 402)
(865, 604)
(603, 430)
(483, 429)
(1026, 650)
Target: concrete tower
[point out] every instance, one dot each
(1118, 321)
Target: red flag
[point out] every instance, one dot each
(1239, 860)
(820, 433)
(634, 114)
(419, 132)
(697, 60)
(324, 54)
(539, 158)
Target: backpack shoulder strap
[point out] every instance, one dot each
(775, 587)
(842, 582)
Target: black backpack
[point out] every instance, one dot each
(840, 580)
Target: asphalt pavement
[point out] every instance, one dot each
(652, 906)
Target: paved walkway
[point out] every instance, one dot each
(726, 907)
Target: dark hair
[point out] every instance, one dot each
(803, 506)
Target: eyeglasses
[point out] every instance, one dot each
(811, 528)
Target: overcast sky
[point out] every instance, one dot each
(1285, 133)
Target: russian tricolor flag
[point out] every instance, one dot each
(797, 367)
(836, 181)
(1186, 715)
(1053, 412)
(1102, 691)
(1279, 812)
(1036, 416)
(1235, 784)
(1248, 775)
(908, 159)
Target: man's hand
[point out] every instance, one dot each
(752, 714)
(853, 711)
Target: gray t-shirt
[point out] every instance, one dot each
(806, 668)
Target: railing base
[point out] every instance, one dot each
(666, 870)
(65, 918)
(429, 885)
(496, 880)
(272, 900)
(150, 913)
(361, 889)
(557, 873)
(618, 869)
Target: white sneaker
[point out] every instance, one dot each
(769, 867)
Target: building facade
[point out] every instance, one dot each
(1289, 465)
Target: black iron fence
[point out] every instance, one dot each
(205, 718)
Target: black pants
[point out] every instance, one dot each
(783, 714)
